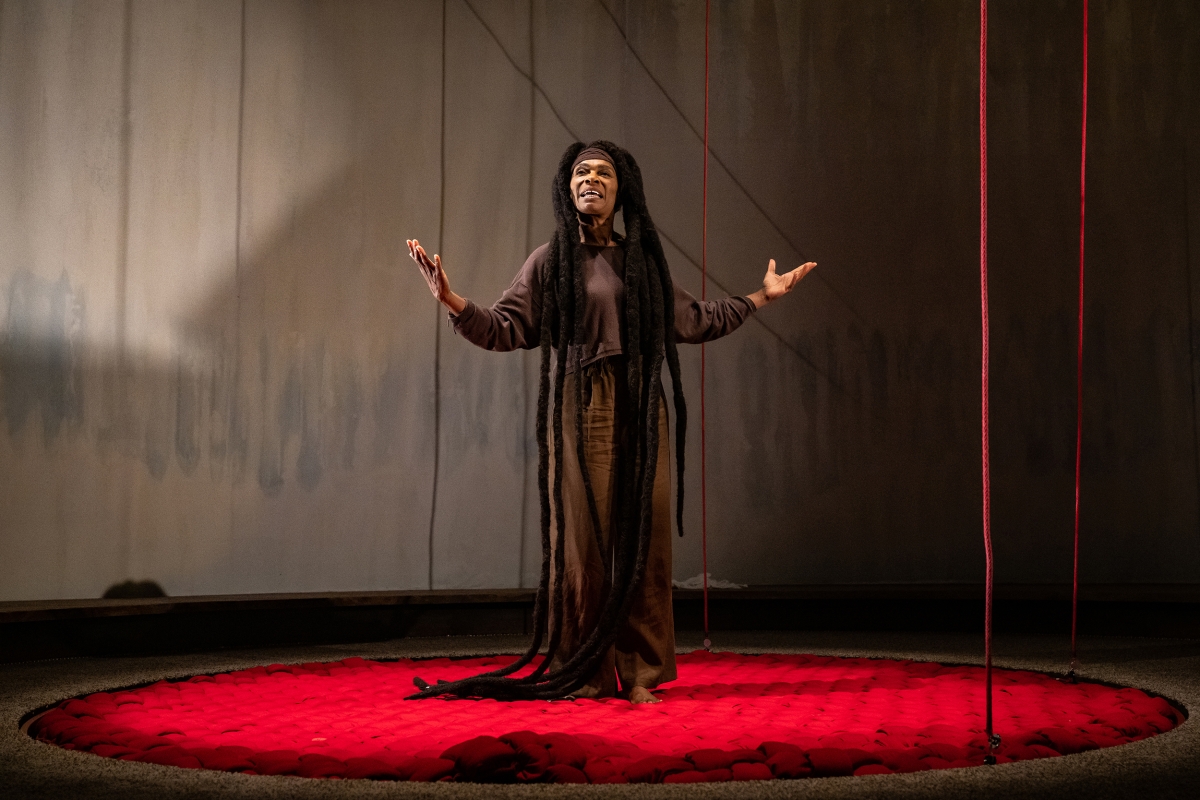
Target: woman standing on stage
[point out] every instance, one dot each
(605, 593)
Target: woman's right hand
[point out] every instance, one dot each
(435, 277)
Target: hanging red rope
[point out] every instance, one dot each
(704, 296)
(983, 293)
(1079, 354)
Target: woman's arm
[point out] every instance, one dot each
(514, 322)
(699, 321)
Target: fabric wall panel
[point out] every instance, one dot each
(1140, 493)
(484, 424)
(340, 148)
(184, 85)
(62, 195)
(239, 408)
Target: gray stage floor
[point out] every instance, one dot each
(1166, 766)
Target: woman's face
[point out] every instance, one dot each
(594, 188)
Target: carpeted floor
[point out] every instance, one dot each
(1167, 765)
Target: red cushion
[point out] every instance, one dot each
(167, 757)
(691, 776)
(66, 729)
(112, 750)
(771, 748)
(872, 769)
(565, 749)
(125, 698)
(565, 773)
(53, 715)
(860, 758)
(710, 758)
(517, 738)
(751, 771)
(856, 712)
(146, 742)
(276, 762)
(371, 768)
(949, 752)
(600, 770)
(1065, 741)
(655, 768)
(86, 741)
(485, 759)
(82, 708)
(430, 769)
(790, 764)
(226, 759)
(1028, 752)
(830, 761)
(314, 765)
(532, 761)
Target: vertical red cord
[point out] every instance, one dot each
(704, 296)
(1079, 353)
(983, 292)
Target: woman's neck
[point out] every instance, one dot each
(593, 230)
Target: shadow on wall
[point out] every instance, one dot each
(301, 371)
(303, 383)
(288, 413)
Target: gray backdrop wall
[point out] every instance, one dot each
(219, 370)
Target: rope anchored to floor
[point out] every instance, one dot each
(704, 297)
(1079, 357)
(993, 740)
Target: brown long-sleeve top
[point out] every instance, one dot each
(514, 322)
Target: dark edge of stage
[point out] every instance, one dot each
(36, 630)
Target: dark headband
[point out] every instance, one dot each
(589, 153)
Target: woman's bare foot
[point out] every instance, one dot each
(640, 694)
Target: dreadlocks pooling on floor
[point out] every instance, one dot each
(546, 307)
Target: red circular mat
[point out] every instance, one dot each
(727, 717)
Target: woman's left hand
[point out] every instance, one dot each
(776, 286)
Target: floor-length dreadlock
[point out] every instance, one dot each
(649, 339)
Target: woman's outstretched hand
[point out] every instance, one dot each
(435, 277)
(776, 286)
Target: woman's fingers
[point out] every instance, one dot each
(431, 268)
(421, 257)
(428, 271)
(417, 253)
(426, 260)
(800, 271)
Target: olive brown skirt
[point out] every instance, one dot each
(644, 651)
